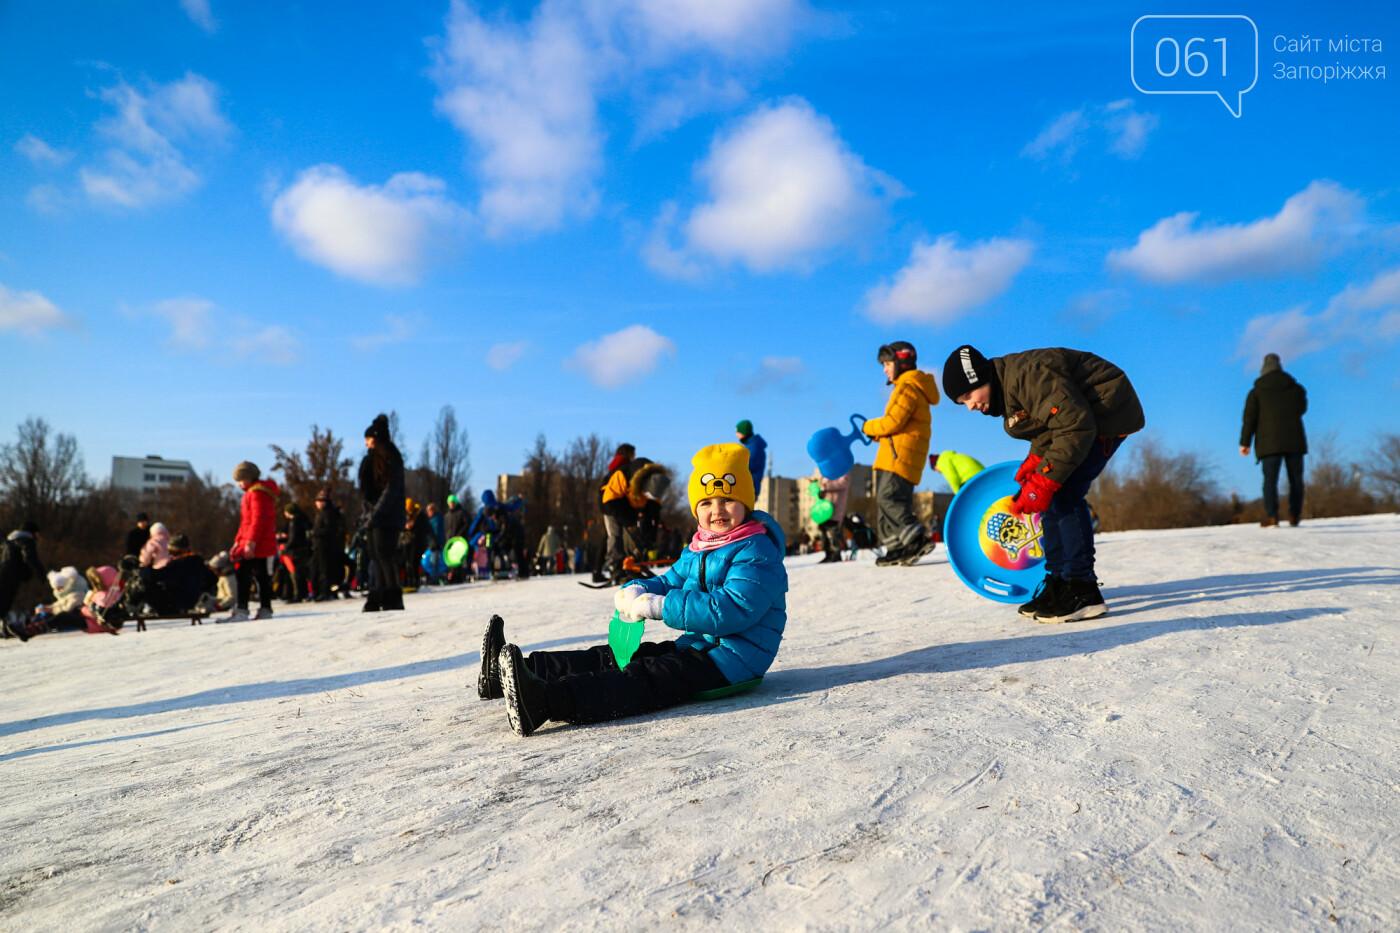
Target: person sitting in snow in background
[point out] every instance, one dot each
(726, 594)
(1076, 409)
(903, 433)
(155, 553)
(65, 612)
(226, 590)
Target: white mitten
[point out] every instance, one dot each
(625, 597)
(648, 606)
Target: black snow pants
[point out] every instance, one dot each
(587, 686)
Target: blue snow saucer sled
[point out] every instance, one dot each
(997, 554)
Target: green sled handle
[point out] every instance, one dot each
(623, 638)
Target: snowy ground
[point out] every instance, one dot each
(1221, 752)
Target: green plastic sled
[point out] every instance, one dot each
(730, 690)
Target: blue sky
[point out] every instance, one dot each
(221, 223)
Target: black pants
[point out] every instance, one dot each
(327, 570)
(384, 553)
(1294, 465)
(301, 576)
(247, 571)
(587, 686)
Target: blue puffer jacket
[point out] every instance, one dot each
(730, 601)
(758, 459)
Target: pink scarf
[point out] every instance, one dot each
(709, 540)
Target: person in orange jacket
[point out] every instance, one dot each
(903, 433)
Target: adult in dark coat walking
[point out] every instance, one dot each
(1273, 425)
(382, 486)
(327, 547)
(297, 544)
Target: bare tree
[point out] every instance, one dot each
(581, 476)
(542, 489)
(1384, 473)
(323, 464)
(39, 475)
(1156, 487)
(1334, 486)
(446, 458)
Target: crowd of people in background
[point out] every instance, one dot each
(1075, 408)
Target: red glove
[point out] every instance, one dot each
(1027, 468)
(1035, 495)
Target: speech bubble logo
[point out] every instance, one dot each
(1208, 54)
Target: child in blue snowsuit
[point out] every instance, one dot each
(725, 594)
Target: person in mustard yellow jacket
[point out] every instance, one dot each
(903, 433)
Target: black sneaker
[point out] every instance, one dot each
(527, 706)
(1044, 596)
(892, 556)
(1074, 600)
(922, 546)
(488, 682)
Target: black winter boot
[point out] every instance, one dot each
(371, 602)
(1074, 600)
(1044, 596)
(488, 681)
(527, 703)
(392, 600)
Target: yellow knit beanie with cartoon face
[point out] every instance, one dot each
(721, 470)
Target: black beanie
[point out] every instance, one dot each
(378, 428)
(966, 370)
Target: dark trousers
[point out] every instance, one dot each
(384, 554)
(833, 541)
(247, 571)
(1294, 464)
(301, 571)
(327, 570)
(1067, 529)
(587, 686)
(894, 498)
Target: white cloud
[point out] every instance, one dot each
(191, 321)
(727, 27)
(30, 313)
(373, 233)
(775, 372)
(144, 164)
(1176, 250)
(199, 13)
(784, 189)
(273, 344)
(1127, 129)
(527, 95)
(503, 356)
(400, 330)
(661, 256)
(1117, 126)
(41, 153)
(1064, 134)
(1291, 333)
(627, 356)
(941, 281)
(1359, 315)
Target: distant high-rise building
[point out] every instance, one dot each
(149, 475)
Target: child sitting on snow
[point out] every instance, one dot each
(725, 593)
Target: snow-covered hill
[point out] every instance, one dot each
(1221, 752)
